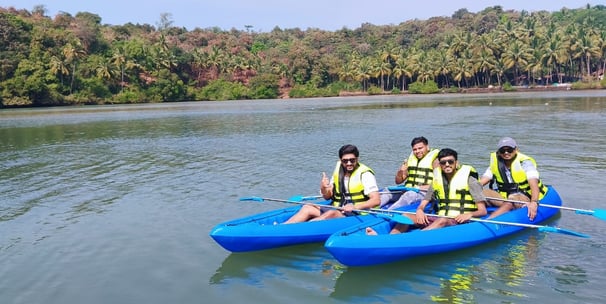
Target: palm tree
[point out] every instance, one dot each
(389, 55)
(73, 53)
(488, 43)
(499, 70)
(571, 37)
(215, 60)
(460, 42)
(58, 66)
(484, 62)
(105, 69)
(382, 70)
(509, 30)
(552, 56)
(364, 72)
(200, 63)
(422, 66)
(119, 60)
(602, 46)
(347, 72)
(586, 48)
(462, 70)
(442, 63)
(403, 69)
(516, 56)
(535, 67)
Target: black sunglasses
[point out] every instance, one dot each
(506, 150)
(447, 162)
(348, 160)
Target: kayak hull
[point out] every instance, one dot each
(352, 247)
(265, 231)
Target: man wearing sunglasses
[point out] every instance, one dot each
(416, 171)
(353, 186)
(456, 190)
(515, 177)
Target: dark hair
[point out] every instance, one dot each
(347, 149)
(419, 139)
(447, 152)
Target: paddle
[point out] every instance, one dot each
(402, 188)
(298, 200)
(599, 213)
(541, 228)
(391, 189)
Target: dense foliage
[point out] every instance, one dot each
(78, 60)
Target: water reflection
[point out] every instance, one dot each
(499, 269)
(377, 283)
(249, 268)
(571, 275)
(256, 268)
(509, 269)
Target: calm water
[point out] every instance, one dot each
(114, 204)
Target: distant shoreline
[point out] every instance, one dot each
(544, 88)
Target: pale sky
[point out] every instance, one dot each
(264, 15)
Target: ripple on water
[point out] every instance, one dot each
(118, 203)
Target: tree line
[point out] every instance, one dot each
(66, 60)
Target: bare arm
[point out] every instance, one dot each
(420, 216)
(325, 187)
(533, 181)
(374, 199)
(435, 163)
(372, 190)
(534, 198)
(486, 177)
(402, 173)
(484, 180)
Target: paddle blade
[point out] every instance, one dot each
(402, 188)
(301, 198)
(562, 231)
(252, 198)
(600, 213)
(296, 198)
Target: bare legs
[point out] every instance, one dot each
(398, 228)
(304, 214)
(312, 213)
(435, 223)
(504, 206)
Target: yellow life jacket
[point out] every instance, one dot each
(420, 171)
(520, 181)
(355, 187)
(458, 200)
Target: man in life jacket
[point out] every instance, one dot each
(515, 177)
(415, 172)
(352, 186)
(457, 192)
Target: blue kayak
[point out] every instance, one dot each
(352, 247)
(264, 231)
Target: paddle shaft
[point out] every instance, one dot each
(372, 211)
(471, 219)
(392, 189)
(539, 227)
(583, 211)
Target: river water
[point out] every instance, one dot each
(113, 204)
